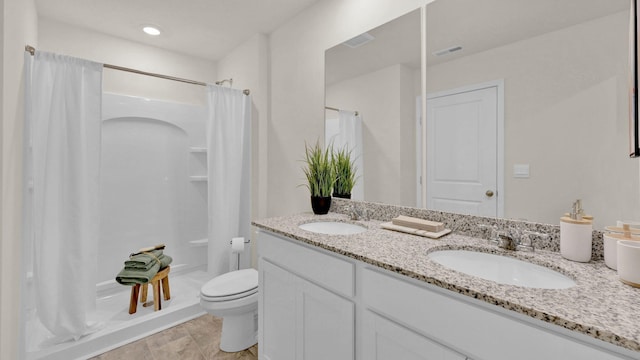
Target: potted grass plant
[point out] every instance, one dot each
(345, 171)
(320, 175)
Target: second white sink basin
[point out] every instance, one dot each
(502, 269)
(333, 228)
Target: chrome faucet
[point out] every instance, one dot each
(358, 215)
(526, 239)
(493, 235)
(513, 239)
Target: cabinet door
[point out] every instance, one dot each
(300, 320)
(326, 323)
(386, 340)
(276, 313)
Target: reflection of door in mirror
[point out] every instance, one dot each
(464, 150)
(565, 70)
(380, 78)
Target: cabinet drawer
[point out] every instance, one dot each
(323, 269)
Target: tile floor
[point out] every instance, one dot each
(198, 339)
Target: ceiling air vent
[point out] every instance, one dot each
(447, 50)
(359, 40)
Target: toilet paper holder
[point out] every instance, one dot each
(246, 241)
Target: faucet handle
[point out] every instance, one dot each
(507, 241)
(526, 242)
(364, 214)
(526, 239)
(494, 233)
(361, 214)
(353, 211)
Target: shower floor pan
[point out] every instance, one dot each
(119, 327)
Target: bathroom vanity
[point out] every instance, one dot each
(377, 295)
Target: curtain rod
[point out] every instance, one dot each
(31, 50)
(336, 109)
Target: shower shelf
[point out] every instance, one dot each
(199, 242)
(197, 149)
(198, 178)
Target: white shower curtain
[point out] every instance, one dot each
(63, 118)
(229, 164)
(348, 133)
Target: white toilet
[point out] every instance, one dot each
(234, 297)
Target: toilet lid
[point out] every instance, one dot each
(232, 285)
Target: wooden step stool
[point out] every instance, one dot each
(161, 277)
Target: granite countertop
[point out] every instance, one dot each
(599, 305)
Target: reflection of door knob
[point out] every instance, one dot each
(489, 193)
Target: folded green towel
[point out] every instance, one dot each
(137, 276)
(141, 268)
(146, 260)
(165, 260)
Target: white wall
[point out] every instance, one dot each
(565, 115)
(297, 86)
(386, 101)
(248, 65)
(19, 27)
(73, 41)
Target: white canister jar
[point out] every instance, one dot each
(575, 239)
(611, 249)
(633, 223)
(610, 240)
(629, 262)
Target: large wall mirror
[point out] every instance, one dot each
(377, 75)
(527, 107)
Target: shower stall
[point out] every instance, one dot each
(153, 189)
(106, 175)
(153, 183)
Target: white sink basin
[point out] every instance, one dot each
(333, 228)
(502, 269)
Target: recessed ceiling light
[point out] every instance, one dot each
(151, 30)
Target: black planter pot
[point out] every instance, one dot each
(320, 204)
(342, 196)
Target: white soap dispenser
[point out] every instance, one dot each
(576, 234)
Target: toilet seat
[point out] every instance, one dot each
(230, 286)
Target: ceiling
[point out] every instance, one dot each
(476, 25)
(396, 42)
(209, 29)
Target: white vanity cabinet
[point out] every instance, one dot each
(301, 314)
(317, 305)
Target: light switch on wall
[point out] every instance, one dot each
(521, 171)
